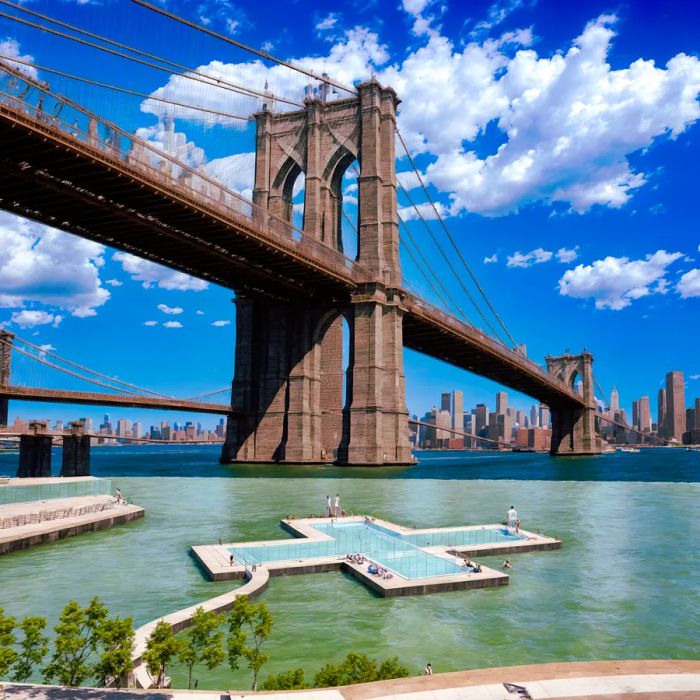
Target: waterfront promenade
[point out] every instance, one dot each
(604, 680)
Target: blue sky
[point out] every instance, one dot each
(560, 142)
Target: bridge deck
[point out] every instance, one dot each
(25, 393)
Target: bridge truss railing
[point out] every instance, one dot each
(33, 102)
(415, 303)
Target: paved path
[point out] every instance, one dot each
(605, 680)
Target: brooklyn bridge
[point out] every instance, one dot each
(290, 400)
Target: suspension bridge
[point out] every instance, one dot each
(69, 167)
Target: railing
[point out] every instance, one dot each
(33, 103)
(414, 303)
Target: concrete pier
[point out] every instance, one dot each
(35, 453)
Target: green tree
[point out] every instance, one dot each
(8, 655)
(358, 668)
(390, 668)
(203, 643)
(115, 644)
(32, 648)
(76, 639)
(292, 680)
(250, 625)
(161, 648)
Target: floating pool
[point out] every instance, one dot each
(402, 554)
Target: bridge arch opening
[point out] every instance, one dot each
(341, 227)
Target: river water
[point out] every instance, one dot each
(626, 583)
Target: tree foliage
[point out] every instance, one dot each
(161, 648)
(203, 644)
(33, 647)
(77, 638)
(250, 625)
(358, 668)
(115, 642)
(8, 655)
(292, 680)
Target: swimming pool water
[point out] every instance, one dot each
(393, 550)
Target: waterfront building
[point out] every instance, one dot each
(675, 406)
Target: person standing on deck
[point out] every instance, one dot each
(329, 507)
(511, 517)
(337, 506)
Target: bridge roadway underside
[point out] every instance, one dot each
(59, 181)
(47, 176)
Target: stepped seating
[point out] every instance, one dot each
(46, 514)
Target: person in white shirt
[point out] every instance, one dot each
(428, 670)
(511, 517)
(329, 507)
(337, 506)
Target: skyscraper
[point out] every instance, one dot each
(534, 416)
(457, 411)
(675, 406)
(481, 418)
(644, 415)
(614, 401)
(501, 403)
(544, 416)
(661, 413)
(635, 415)
(445, 401)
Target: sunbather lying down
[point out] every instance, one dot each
(379, 571)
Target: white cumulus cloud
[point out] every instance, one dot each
(534, 257)
(150, 323)
(218, 324)
(614, 283)
(567, 255)
(44, 265)
(29, 318)
(150, 274)
(114, 283)
(10, 47)
(172, 324)
(328, 22)
(172, 310)
(689, 284)
(491, 259)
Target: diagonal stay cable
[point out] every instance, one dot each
(452, 241)
(216, 82)
(245, 47)
(120, 54)
(4, 58)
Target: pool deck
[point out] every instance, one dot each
(30, 523)
(214, 559)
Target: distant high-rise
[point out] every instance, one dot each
(136, 430)
(481, 418)
(675, 406)
(689, 419)
(123, 428)
(661, 412)
(453, 403)
(614, 401)
(635, 415)
(544, 416)
(535, 416)
(501, 403)
(445, 401)
(644, 415)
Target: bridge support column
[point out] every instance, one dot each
(574, 427)
(35, 453)
(76, 452)
(287, 388)
(6, 340)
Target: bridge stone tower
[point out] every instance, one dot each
(288, 381)
(6, 340)
(574, 427)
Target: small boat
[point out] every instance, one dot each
(629, 449)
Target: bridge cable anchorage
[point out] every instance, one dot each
(452, 241)
(451, 307)
(6, 58)
(210, 82)
(245, 47)
(77, 366)
(215, 82)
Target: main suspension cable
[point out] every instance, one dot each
(245, 47)
(452, 241)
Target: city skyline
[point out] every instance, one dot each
(544, 255)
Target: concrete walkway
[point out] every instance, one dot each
(605, 680)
